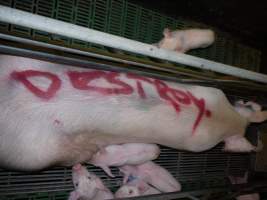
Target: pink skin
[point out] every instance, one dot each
(134, 188)
(87, 185)
(153, 174)
(237, 143)
(125, 154)
(49, 118)
(243, 180)
(101, 195)
(185, 40)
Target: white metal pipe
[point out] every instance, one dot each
(22, 18)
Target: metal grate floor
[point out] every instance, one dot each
(194, 171)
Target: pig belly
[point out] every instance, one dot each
(50, 113)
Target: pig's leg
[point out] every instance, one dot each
(107, 170)
(254, 106)
(126, 175)
(76, 148)
(238, 143)
(258, 116)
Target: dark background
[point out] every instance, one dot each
(246, 20)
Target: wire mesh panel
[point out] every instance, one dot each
(120, 17)
(83, 17)
(65, 12)
(25, 5)
(45, 8)
(116, 17)
(5, 26)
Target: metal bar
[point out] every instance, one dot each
(124, 61)
(86, 63)
(22, 18)
(175, 195)
(95, 55)
(70, 59)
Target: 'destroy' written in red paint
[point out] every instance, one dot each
(83, 81)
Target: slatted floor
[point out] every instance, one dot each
(193, 170)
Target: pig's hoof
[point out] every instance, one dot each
(238, 143)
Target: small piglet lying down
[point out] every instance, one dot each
(53, 114)
(134, 188)
(185, 40)
(87, 185)
(148, 178)
(125, 154)
(243, 180)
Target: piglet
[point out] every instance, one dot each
(124, 154)
(103, 194)
(185, 40)
(153, 174)
(87, 185)
(135, 187)
(243, 180)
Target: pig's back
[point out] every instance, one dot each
(59, 100)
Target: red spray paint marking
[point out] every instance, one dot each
(49, 93)
(140, 90)
(200, 103)
(139, 85)
(208, 113)
(81, 81)
(179, 97)
(164, 92)
(176, 97)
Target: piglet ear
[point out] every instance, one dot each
(74, 196)
(167, 33)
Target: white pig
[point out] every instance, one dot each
(243, 180)
(185, 40)
(54, 114)
(153, 174)
(125, 154)
(136, 187)
(87, 185)
(101, 195)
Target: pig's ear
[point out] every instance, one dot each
(167, 33)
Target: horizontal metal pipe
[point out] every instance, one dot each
(22, 18)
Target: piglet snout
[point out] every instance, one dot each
(77, 167)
